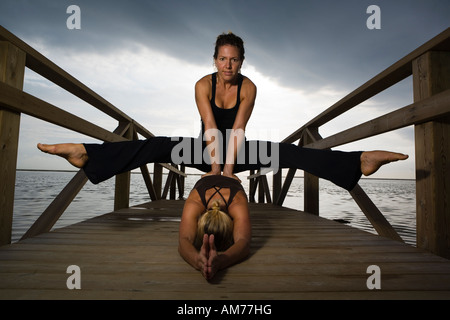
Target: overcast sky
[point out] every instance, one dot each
(145, 57)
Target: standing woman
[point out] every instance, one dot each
(225, 101)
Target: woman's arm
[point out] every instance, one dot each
(242, 234)
(187, 231)
(248, 97)
(202, 97)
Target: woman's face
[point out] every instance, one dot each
(228, 62)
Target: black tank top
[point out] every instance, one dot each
(217, 182)
(224, 117)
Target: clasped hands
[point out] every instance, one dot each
(208, 257)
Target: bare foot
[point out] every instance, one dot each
(72, 152)
(371, 161)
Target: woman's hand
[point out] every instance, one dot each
(203, 254)
(213, 259)
(208, 262)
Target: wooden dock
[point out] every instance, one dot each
(132, 254)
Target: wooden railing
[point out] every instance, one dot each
(429, 114)
(15, 56)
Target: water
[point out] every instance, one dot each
(35, 190)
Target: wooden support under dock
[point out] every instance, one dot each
(132, 254)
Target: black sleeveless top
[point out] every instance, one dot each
(218, 182)
(224, 117)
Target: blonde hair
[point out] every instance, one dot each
(216, 222)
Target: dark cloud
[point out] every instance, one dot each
(304, 44)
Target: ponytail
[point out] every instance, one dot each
(216, 222)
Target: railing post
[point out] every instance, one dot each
(311, 182)
(157, 179)
(122, 190)
(12, 70)
(276, 185)
(431, 75)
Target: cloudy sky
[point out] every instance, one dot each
(145, 57)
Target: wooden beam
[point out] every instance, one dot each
(46, 68)
(265, 186)
(435, 107)
(148, 183)
(167, 185)
(311, 182)
(286, 185)
(376, 218)
(122, 186)
(50, 216)
(276, 184)
(392, 75)
(54, 211)
(431, 77)
(287, 181)
(19, 101)
(157, 179)
(12, 70)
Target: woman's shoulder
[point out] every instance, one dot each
(248, 87)
(205, 80)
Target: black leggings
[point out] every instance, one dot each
(111, 158)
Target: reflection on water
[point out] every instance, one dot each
(35, 190)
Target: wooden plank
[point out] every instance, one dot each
(20, 101)
(122, 183)
(132, 253)
(435, 107)
(311, 182)
(12, 69)
(54, 211)
(373, 214)
(46, 68)
(432, 141)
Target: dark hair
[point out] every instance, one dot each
(230, 39)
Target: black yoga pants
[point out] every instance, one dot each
(111, 158)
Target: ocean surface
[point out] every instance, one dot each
(35, 190)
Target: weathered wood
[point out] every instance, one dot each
(23, 102)
(251, 186)
(311, 190)
(374, 215)
(122, 186)
(170, 176)
(132, 253)
(54, 211)
(264, 185)
(50, 216)
(435, 107)
(157, 179)
(173, 187)
(277, 185)
(43, 66)
(287, 181)
(148, 183)
(286, 185)
(431, 76)
(12, 70)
